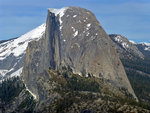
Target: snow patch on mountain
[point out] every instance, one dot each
(59, 12)
(146, 46)
(3, 72)
(17, 73)
(18, 46)
(132, 41)
(119, 39)
(145, 43)
(75, 34)
(13, 52)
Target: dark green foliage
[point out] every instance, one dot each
(69, 69)
(138, 64)
(78, 83)
(73, 97)
(28, 103)
(139, 81)
(75, 82)
(64, 68)
(64, 103)
(65, 74)
(10, 88)
(140, 84)
(90, 75)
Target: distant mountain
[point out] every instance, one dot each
(12, 52)
(125, 46)
(136, 60)
(144, 48)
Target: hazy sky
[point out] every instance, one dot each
(130, 18)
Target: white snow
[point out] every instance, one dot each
(147, 46)
(119, 40)
(75, 34)
(145, 43)
(73, 29)
(87, 34)
(61, 27)
(132, 42)
(18, 46)
(74, 16)
(3, 72)
(17, 73)
(59, 12)
(125, 45)
(88, 25)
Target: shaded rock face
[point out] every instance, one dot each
(74, 38)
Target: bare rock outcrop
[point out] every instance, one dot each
(74, 38)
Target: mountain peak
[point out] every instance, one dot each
(145, 43)
(74, 38)
(133, 42)
(145, 46)
(58, 11)
(124, 45)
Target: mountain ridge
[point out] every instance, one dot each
(12, 52)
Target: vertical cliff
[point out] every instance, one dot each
(74, 38)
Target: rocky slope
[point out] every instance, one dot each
(14, 98)
(73, 38)
(136, 60)
(125, 48)
(65, 92)
(12, 52)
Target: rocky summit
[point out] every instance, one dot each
(73, 38)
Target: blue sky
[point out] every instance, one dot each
(130, 18)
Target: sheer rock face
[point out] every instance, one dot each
(74, 38)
